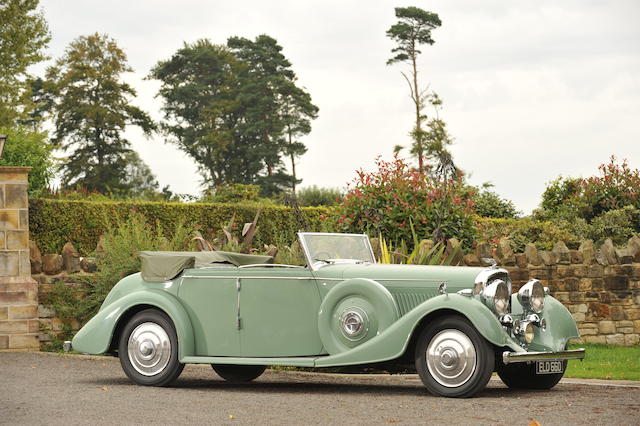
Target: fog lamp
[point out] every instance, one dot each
(526, 331)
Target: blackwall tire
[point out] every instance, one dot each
(523, 376)
(453, 359)
(148, 349)
(238, 373)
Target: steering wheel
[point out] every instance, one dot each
(322, 255)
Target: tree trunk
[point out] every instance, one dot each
(293, 161)
(418, 102)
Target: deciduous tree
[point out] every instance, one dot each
(236, 110)
(91, 109)
(24, 35)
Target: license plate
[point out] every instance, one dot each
(548, 367)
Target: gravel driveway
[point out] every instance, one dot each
(40, 388)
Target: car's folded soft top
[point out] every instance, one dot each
(158, 266)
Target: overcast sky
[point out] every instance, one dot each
(531, 89)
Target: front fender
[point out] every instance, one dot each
(560, 327)
(393, 341)
(95, 337)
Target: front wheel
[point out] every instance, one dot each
(453, 359)
(523, 376)
(238, 373)
(148, 349)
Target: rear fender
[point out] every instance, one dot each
(96, 335)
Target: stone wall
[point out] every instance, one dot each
(599, 286)
(48, 270)
(50, 326)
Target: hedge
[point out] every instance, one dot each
(543, 233)
(54, 222)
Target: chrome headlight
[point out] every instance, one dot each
(496, 296)
(487, 275)
(531, 296)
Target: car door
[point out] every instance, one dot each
(278, 312)
(210, 297)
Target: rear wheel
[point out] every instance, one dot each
(453, 359)
(523, 376)
(238, 373)
(148, 349)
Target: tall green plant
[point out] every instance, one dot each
(421, 254)
(118, 256)
(424, 252)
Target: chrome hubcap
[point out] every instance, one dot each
(354, 323)
(451, 358)
(149, 349)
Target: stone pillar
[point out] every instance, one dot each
(18, 291)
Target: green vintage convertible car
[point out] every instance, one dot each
(241, 313)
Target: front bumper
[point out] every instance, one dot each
(513, 357)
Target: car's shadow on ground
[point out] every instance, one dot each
(271, 385)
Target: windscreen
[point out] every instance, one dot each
(326, 247)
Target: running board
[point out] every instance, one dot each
(294, 362)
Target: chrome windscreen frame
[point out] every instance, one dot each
(314, 266)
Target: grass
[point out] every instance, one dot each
(606, 362)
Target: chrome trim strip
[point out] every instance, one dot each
(427, 280)
(233, 277)
(270, 265)
(238, 287)
(513, 357)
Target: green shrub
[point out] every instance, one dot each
(543, 233)
(54, 222)
(489, 204)
(27, 148)
(233, 193)
(317, 196)
(67, 304)
(390, 199)
(618, 225)
(556, 196)
(616, 186)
